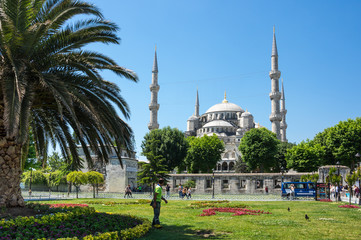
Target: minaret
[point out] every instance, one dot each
(154, 88)
(283, 113)
(275, 95)
(196, 112)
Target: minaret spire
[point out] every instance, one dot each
(154, 88)
(283, 113)
(196, 112)
(275, 95)
(225, 98)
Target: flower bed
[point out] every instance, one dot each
(348, 206)
(236, 211)
(112, 203)
(74, 222)
(210, 204)
(325, 200)
(62, 205)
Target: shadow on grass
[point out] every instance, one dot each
(182, 232)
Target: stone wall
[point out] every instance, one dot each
(234, 183)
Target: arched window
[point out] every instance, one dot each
(231, 166)
(224, 166)
(226, 155)
(233, 155)
(219, 167)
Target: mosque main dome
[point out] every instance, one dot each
(225, 107)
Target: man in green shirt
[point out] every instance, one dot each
(156, 203)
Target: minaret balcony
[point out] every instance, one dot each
(275, 95)
(274, 74)
(154, 87)
(152, 126)
(153, 106)
(284, 111)
(283, 125)
(275, 117)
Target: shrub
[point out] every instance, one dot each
(73, 222)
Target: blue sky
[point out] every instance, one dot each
(225, 45)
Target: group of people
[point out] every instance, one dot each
(184, 192)
(336, 190)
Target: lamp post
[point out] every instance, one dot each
(213, 183)
(338, 182)
(282, 171)
(358, 156)
(31, 177)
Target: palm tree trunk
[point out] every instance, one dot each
(10, 171)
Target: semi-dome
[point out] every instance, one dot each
(246, 114)
(217, 123)
(225, 107)
(192, 118)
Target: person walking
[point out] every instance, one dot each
(128, 192)
(292, 191)
(157, 199)
(184, 192)
(180, 190)
(189, 193)
(167, 189)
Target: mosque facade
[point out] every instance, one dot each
(228, 120)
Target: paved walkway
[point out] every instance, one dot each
(41, 196)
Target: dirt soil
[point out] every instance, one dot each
(17, 211)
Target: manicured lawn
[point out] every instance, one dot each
(327, 220)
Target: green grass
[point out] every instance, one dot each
(327, 220)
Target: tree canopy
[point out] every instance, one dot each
(259, 147)
(341, 142)
(305, 157)
(169, 143)
(50, 82)
(203, 153)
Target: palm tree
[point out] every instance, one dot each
(51, 84)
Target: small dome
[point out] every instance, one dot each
(217, 123)
(246, 114)
(192, 118)
(225, 107)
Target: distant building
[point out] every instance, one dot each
(116, 178)
(230, 122)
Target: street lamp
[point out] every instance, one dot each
(213, 183)
(282, 170)
(338, 182)
(31, 177)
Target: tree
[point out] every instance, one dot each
(358, 175)
(310, 178)
(203, 153)
(351, 179)
(281, 155)
(259, 148)
(36, 177)
(152, 171)
(51, 83)
(341, 142)
(334, 179)
(55, 162)
(94, 178)
(305, 157)
(171, 144)
(28, 155)
(190, 183)
(77, 178)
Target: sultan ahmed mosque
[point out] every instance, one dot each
(228, 120)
